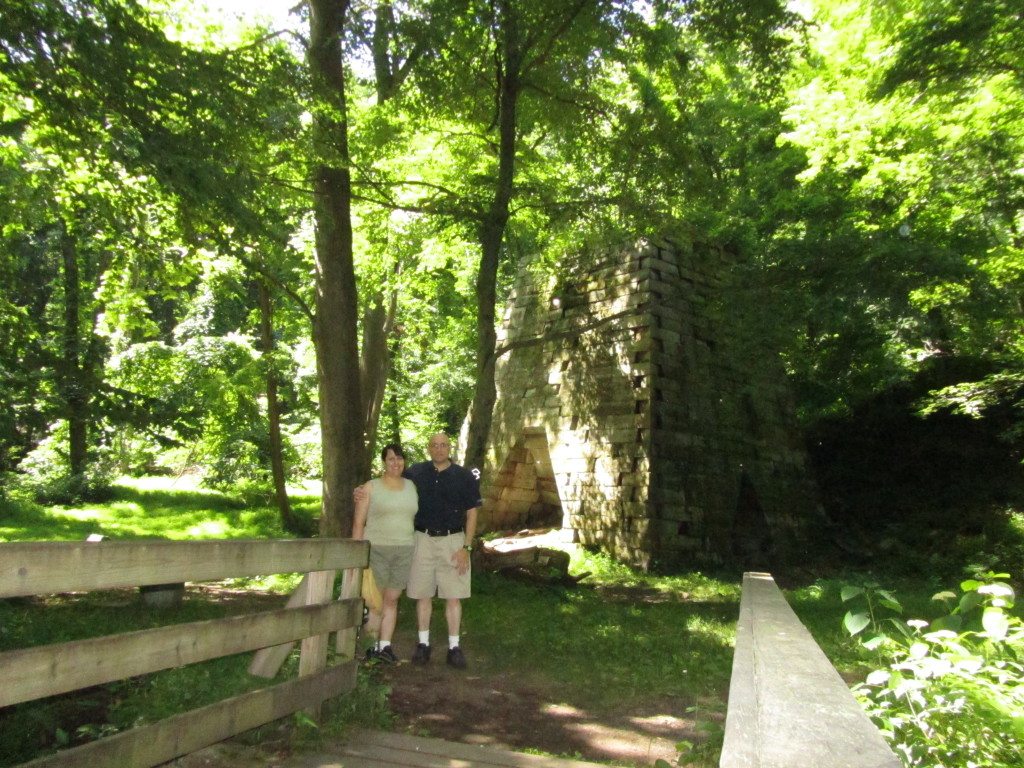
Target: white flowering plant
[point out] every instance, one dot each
(951, 692)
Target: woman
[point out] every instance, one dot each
(384, 516)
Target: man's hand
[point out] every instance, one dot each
(461, 561)
(359, 494)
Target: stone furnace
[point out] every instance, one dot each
(636, 411)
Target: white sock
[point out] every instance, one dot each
(425, 636)
(381, 645)
(453, 641)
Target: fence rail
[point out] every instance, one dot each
(788, 706)
(33, 568)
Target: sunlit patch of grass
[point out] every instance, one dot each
(281, 583)
(604, 570)
(208, 529)
(146, 508)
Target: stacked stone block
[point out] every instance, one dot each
(633, 413)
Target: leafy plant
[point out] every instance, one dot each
(868, 617)
(950, 692)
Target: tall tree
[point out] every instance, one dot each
(534, 61)
(897, 249)
(336, 329)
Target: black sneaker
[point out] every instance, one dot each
(456, 658)
(372, 655)
(387, 655)
(422, 654)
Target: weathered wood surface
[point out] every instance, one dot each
(163, 741)
(267, 661)
(788, 706)
(34, 673)
(373, 749)
(351, 587)
(32, 568)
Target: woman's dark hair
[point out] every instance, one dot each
(394, 448)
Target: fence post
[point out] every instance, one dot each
(313, 654)
(351, 586)
(266, 662)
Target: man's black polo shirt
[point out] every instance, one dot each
(444, 497)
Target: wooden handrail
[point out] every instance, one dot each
(41, 567)
(788, 706)
(31, 568)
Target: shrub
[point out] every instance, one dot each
(950, 693)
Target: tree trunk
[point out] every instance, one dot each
(375, 365)
(288, 521)
(378, 321)
(335, 330)
(72, 386)
(492, 237)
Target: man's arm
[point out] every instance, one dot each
(362, 497)
(462, 558)
(470, 525)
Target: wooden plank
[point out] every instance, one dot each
(34, 673)
(313, 655)
(314, 646)
(268, 661)
(788, 706)
(351, 587)
(179, 735)
(32, 568)
(380, 748)
(740, 747)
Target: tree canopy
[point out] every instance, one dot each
(231, 252)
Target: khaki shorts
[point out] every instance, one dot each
(433, 572)
(390, 566)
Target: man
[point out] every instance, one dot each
(445, 523)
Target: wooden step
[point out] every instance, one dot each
(381, 749)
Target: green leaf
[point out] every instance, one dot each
(878, 677)
(874, 642)
(996, 623)
(892, 605)
(848, 593)
(895, 679)
(889, 595)
(901, 626)
(951, 622)
(970, 601)
(944, 596)
(855, 622)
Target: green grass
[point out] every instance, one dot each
(139, 509)
(146, 508)
(605, 644)
(619, 638)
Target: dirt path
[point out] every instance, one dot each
(500, 711)
(517, 712)
(520, 714)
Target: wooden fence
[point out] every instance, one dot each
(32, 568)
(788, 706)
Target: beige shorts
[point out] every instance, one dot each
(390, 565)
(433, 573)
